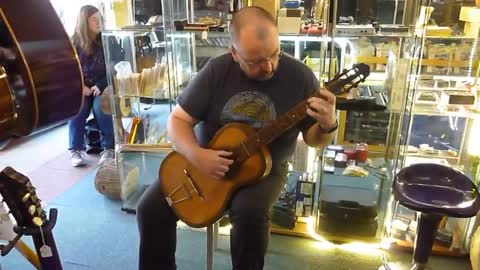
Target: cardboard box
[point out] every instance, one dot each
(438, 31)
(457, 98)
(290, 12)
(304, 198)
(289, 25)
(271, 6)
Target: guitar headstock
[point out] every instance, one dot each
(344, 81)
(19, 195)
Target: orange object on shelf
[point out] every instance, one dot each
(361, 152)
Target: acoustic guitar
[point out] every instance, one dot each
(40, 75)
(199, 200)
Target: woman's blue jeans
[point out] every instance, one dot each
(76, 125)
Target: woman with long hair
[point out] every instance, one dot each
(88, 43)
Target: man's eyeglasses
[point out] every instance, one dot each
(271, 59)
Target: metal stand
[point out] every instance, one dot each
(48, 260)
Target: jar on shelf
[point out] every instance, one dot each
(361, 152)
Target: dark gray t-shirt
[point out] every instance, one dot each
(221, 93)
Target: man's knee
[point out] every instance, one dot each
(250, 216)
(145, 209)
(152, 208)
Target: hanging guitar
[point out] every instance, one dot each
(25, 207)
(40, 75)
(199, 200)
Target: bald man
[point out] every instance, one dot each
(253, 84)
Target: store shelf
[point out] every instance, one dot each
(442, 154)
(436, 249)
(423, 62)
(153, 148)
(441, 89)
(451, 38)
(445, 63)
(301, 229)
(282, 37)
(449, 77)
(434, 111)
(302, 38)
(379, 35)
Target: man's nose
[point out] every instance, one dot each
(267, 66)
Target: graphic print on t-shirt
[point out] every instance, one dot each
(248, 107)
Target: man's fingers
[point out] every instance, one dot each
(313, 114)
(326, 95)
(224, 153)
(319, 105)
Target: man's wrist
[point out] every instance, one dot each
(328, 130)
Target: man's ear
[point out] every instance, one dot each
(234, 53)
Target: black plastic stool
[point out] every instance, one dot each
(435, 191)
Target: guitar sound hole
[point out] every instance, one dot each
(233, 170)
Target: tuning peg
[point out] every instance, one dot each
(37, 221)
(32, 209)
(26, 197)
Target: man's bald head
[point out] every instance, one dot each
(255, 44)
(252, 17)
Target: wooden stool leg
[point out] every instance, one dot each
(215, 235)
(210, 242)
(28, 253)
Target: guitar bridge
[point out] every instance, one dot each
(186, 191)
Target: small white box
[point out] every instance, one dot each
(289, 25)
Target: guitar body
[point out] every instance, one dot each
(189, 206)
(40, 75)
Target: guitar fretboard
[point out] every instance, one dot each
(270, 131)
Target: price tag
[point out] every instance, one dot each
(46, 251)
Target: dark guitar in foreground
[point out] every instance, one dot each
(40, 75)
(199, 200)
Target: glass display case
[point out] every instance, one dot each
(353, 185)
(424, 60)
(139, 72)
(375, 34)
(201, 31)
(440, 117)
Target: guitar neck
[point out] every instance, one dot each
(274, 129)
(286, 121)
(340, 83)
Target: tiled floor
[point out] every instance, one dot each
(45, 160)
